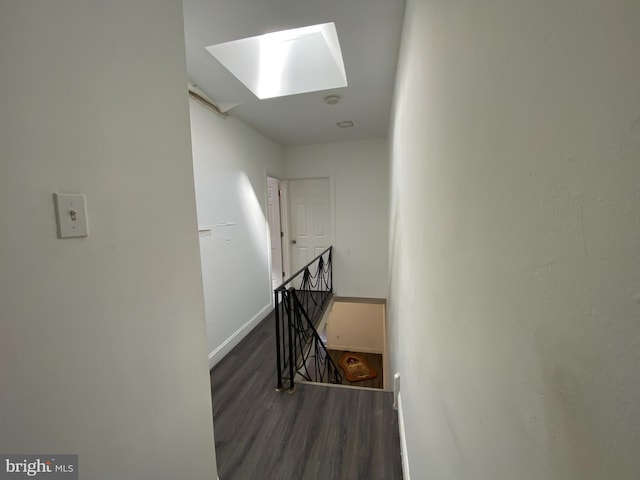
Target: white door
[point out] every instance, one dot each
(275, 231)
(310, 220)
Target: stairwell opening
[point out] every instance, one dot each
(357, 325)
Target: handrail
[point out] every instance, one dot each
(293, 305)
(292, 277)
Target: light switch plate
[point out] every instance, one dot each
(71, 215)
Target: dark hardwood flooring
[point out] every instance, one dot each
(316, 433)
(373, 359)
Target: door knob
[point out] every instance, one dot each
(294, 241)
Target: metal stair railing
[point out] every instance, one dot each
(299, 304)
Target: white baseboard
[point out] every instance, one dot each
(352, 348)
(237, 336)
(403, 441)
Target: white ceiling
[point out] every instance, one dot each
(369, 33)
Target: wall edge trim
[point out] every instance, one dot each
(406, 475)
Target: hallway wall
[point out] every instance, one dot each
(102, 339)
(514, 292)
(359, 171)
(231, 162)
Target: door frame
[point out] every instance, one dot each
(282, 227)
(284, 222)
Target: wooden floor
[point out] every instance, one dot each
(373, 359)
(316, 433)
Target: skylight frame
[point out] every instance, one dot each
(286, 62)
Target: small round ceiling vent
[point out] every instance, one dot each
(331, 99)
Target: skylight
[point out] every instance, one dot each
(294, 61)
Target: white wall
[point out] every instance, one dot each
(359, 172)
(102, 339)
(514, 291)
(356, 327)
(231, 163)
